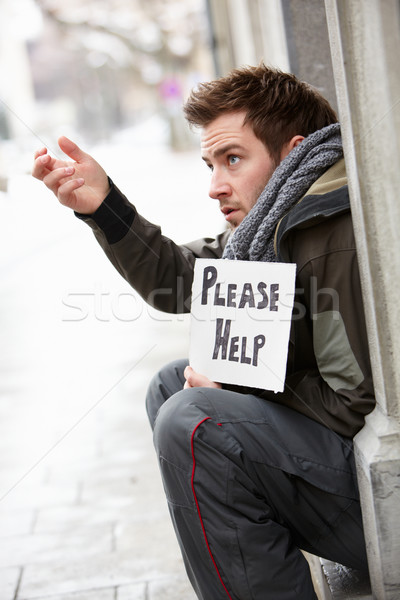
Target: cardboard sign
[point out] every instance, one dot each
(240, 321)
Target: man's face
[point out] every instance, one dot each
(241, 165)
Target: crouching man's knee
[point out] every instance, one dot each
(167, 382)
(175, 426)
(176, 423)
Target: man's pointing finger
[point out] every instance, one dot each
(71, 149)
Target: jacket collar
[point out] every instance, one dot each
(327, 197)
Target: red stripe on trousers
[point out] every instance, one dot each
(198, 508)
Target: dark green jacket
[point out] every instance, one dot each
(328, 372)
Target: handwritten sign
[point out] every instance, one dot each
(240, 321)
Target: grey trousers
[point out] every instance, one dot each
(248, 483)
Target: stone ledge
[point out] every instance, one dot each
(345, 583)
(333, 581)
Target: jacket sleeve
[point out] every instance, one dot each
(157, 268)
(329, 373)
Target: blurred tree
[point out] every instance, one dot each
(118, 61)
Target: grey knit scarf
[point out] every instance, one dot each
(254, 238)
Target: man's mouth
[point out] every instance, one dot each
(227, 211)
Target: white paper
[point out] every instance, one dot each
(240, 321)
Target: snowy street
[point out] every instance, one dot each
(82, 510)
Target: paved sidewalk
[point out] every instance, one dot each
(82, 511)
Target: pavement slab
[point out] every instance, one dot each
(17, 522)
(97, 594)
(34, 549)
(100, 571)
(172, 589)
(9, 581)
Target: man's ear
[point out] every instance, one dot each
(288, 147)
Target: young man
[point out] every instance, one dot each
(251, 476)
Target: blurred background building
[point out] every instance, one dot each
(97, 66)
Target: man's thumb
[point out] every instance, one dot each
(71, 149)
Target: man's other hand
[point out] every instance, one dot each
(194, 379)
(80, 184)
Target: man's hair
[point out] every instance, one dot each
(278, 105)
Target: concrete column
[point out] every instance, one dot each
(308, 44)
(365, 45)
(242, 33)
(268, 19)
(245, 32)
(221, 39)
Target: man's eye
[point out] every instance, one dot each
(233, 160)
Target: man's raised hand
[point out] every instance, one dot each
(80, 184)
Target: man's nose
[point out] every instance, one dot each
(219, 185)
